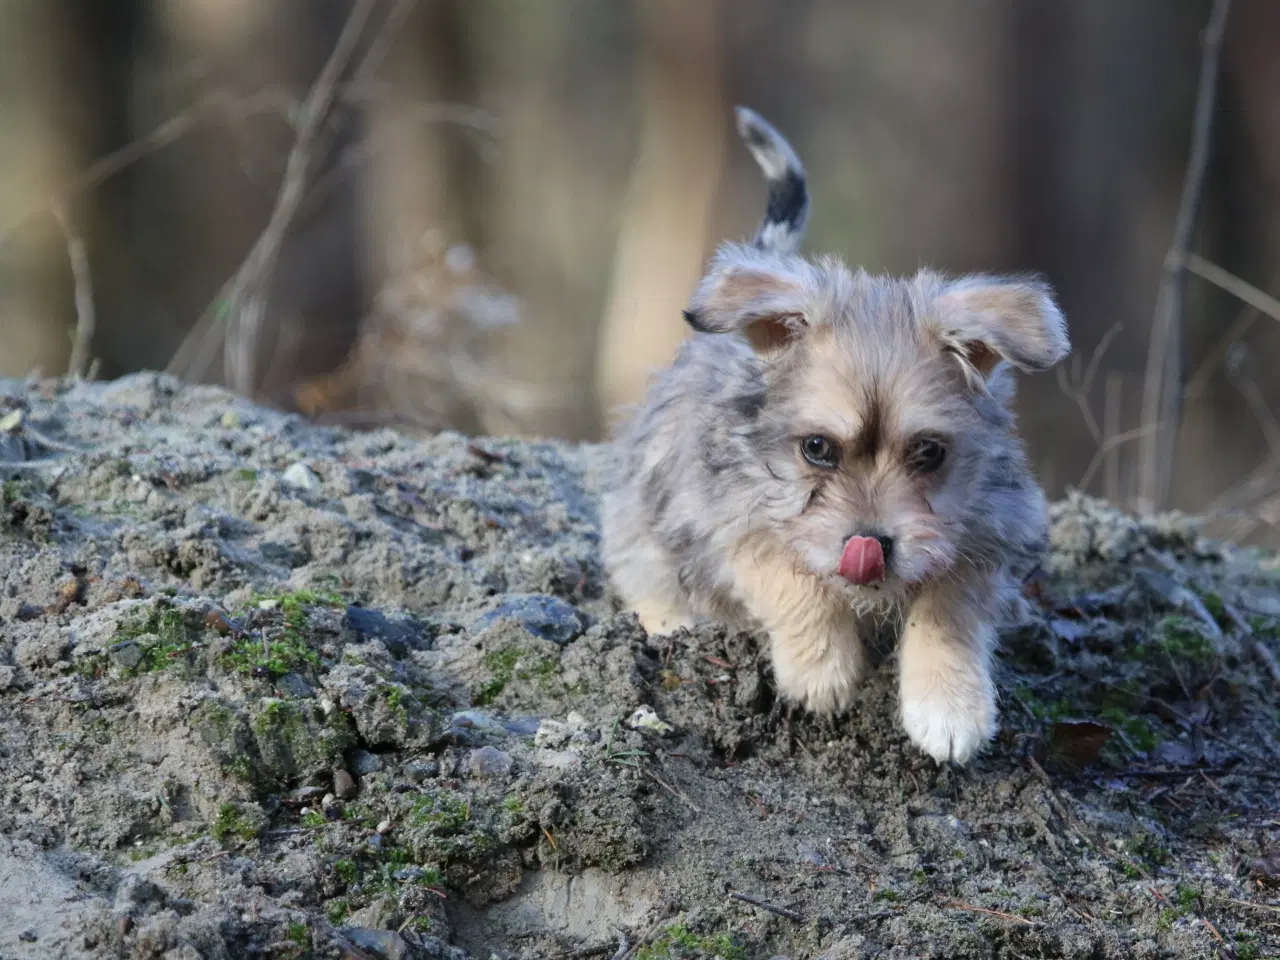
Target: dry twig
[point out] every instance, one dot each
(1242, 290)
(767, 907)
(82, 282)
(1161, 389)
(674, 791)
(241, 299)
(1011, 917)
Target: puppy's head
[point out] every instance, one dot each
(883, 454)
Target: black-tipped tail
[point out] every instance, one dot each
(788, 209)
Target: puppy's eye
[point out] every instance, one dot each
(925, 455)
(818, 450)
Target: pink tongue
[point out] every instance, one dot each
(862, 561)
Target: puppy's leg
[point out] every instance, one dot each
(642, 575)
(817, 654)
(947, 696)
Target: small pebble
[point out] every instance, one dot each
(384, 826)
(381, 943)
(646, 719)
(420, 770)
(126, 654)
(364, 763)
(552, 733)
(490, 762)
(301, 477)
(344, 785)
(292, 685)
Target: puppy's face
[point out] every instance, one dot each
(884, 449)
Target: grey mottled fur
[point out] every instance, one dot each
(714, 513)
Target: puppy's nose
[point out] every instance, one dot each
(886, 544)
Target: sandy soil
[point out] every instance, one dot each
(272, 690)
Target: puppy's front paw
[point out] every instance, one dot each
(824, 694)
(950, 723)
(824, 686)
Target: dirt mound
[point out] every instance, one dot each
(274, 690)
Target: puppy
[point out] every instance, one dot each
(831, 450)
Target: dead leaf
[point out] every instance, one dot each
(1074, 744)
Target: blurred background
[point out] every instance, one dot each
(487, 214)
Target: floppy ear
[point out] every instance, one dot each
(988, 319)
(757, 294)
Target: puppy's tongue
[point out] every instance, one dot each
(862, 561)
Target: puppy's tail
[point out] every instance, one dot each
(785, 217)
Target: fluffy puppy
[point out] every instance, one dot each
(832, 450)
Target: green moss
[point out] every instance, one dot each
(233, 820)
(286, 648)
(1151, 850)
(93, 666)
(337, 910)
(300, 935)
(396, 701)
(443, 812)
(678, 941)
(296, 739)
(164, 634)
(1184, 639)
(347, 870)
(247, 475)
(1215, 605)
(512, 663)
(1188, 898)
(1138, 730)
(243, 769)
(11, 492)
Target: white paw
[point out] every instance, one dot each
(826, 690)
(948, 726)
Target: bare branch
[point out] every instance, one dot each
(1078, 385)
(1161, 389)
(245, 295)
(1217, 354)
(265, 103)
(82, 281)
(1111, 428)
(1110, 444)
(233, 308)
(1242, 290)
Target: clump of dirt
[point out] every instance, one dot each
(268, 689)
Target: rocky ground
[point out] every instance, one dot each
(279, 691)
